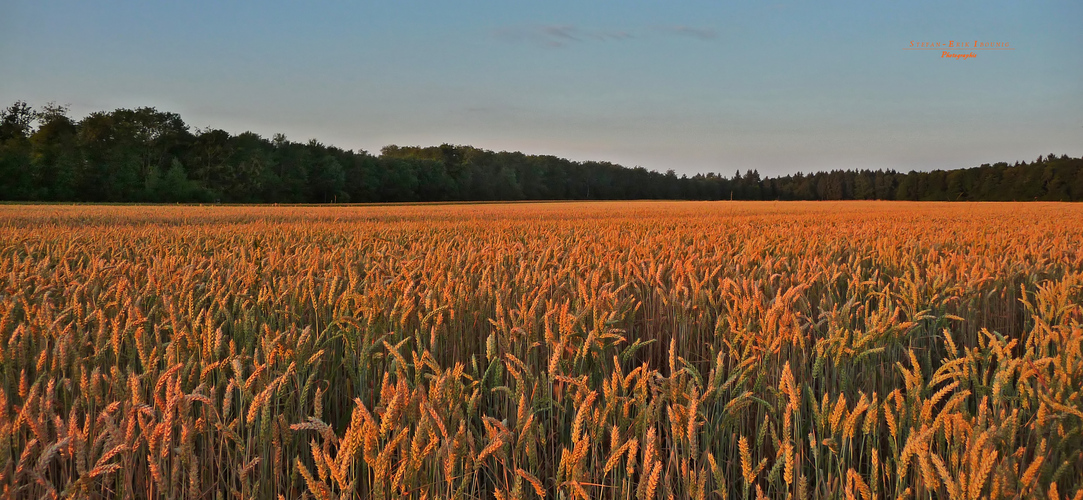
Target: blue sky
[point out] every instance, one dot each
(695, 86)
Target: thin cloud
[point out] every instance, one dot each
(690, 31)
(562, 35)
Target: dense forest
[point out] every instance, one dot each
(146, 155)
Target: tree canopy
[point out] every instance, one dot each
(146, 155)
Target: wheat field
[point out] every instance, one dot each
(566, 350)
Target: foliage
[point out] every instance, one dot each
(145, 155)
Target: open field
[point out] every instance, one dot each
(591, 350)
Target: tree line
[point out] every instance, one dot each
(146, 155)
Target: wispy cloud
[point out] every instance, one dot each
(562, 35)
(689, 31)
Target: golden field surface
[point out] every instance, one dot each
(564, 350)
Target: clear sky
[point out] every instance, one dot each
(695, 86)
